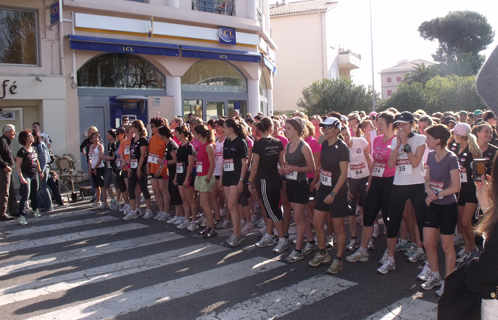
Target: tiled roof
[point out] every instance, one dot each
(307, 6)
(406, 66)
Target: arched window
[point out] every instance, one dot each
(120, 70)
(213, 76)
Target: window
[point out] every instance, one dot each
(18, 37)
(398, 79)
(389, 93)
(225, 7)
(214, 76)
(263, 95)
(120, 70)
(389, 80)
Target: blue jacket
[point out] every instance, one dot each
(43, 155)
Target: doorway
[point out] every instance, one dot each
(210, 108)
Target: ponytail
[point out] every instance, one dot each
(474, 147)
(182, 129)
(165, 131)
(204, 132)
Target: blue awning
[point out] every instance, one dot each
(270, 65)
(220, 54)
(123, 46)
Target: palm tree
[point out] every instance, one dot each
(421, 73)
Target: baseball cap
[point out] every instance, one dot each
(462, 111)
(120, 130)
(331, 122)
(462, 129)
(344, 118)
(448, 119)
(478, 112)
(404, 117)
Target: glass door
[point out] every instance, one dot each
(192, 106)
(239, 105)
(215, 110)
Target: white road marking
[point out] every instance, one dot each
(85, 252)
(16, 246)
(284, 301)
(51, 216)
(411, 308)
(103, 273)
(122, 303)
(33, 228)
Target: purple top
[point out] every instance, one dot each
(441, 176)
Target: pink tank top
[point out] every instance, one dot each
(202, 164)
(315, 147)
(381, 152)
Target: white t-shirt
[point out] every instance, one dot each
(358, 167)
(424, 159)
(405, 173)
(218, 156)
(373, 134)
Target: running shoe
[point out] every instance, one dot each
(441, 290)
(184, 224)
(211, 233)
(130, 215)
(22, 221)
(417, 256)
(353, 245)
(384, 257)
(266, 241)
(262, 230)
(139, 212)
(201, 221)
(234, 240)
(148, 214)
(329, 242)
(223, 212)
(357, 256)
(458, 239)
(142, 199)
(253, 218)
(370, 245)
(308, 248)
(179, 221)
(319, 259)
(400, 246)
(203, 231)
(281, 246)
(294, 256)
(125, 207)
(388, 265)
(376, 232)
(172, 220)
(37, 213)
(103, 205)
(261, 223)
(162, 216)
(227, 223)
(248, 227)
(462, 255)
(193, 226)
(114, 205)
(335, 267)
(94, 204)
(426, 271)
(411, 250)
(218, 223)
(432, 282)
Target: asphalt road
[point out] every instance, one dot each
(82, 263)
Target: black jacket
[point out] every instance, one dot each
(5, 153)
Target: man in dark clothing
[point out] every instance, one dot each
(6, 166)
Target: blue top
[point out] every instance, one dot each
(43, 155)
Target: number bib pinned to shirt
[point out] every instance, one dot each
(463, 174)
(198, 166)
(134, 163)
(109, 166)
(403, 167)
(291, 176)
(228, 165)
(127, 150)
(437, 185)
(118, 164)
(153, 158)
(179, 167)
(326, 178)
(378, 169)
(357, 170)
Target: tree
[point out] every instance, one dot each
(408, 98)
(340, 95)
(459, 32)
(421, 73)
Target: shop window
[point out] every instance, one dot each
(214, 76)
(18, 37)
(120, 70)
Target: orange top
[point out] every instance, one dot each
(156, 155)
(124, 151)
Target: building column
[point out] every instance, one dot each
(253, 96)
(270, 101)
(174, 89)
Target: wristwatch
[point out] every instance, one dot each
(407, 148)
(333, 194)
(436, 191)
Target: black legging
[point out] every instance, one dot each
(377, 198)
(357, 186)
(269, 192)
(142, 182)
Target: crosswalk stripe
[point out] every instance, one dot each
(50, 216)
(411, 308)
(16, 246)
(104, 273)
(31, 229)
(122, 303)
(284, 301)
(85, 252)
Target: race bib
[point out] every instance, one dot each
(153, 158)
(179, 167)
(292, 175)
(403, 167)
(437, 185)
(326, 178)
(219, 155)
(357, 170)
(134, 163)
(228, 165)
(118, 164)
(378, 169)
(127, 150)
(463, 174)
(109, 166)
(198, 167)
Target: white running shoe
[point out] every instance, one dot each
(370, 245)
(426, 271)
(148, 214)
(357, 256)
(114, 205)
(173, 219)
(308, 248)
(353, 245)
(432, 282)
(226, 223)
(458, 239)
(179, 221)
(103, 205)
(266, 241)
(163, 216)
(281, 246)
(376, 232)
(441, 290)
(193, 226)
(94, 204)
(388, 265)
(384, 257)
(130, 215)
(248, 227)
(184, 224)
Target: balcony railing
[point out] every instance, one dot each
(259, 15)
(347, 51)
(224, 7)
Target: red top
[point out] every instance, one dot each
(202, 165)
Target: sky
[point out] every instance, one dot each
(395, 34)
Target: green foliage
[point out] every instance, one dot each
(340, 95)
(408, 98)
(420, 73)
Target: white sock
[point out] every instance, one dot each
(362, 250)
(403, 241)
(436, 274)
(420, 250)
(391, 259)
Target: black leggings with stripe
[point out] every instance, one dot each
(269, 193)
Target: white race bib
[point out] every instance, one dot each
(228, 165)
(463, 174)
(133, 163)
(179, 167)
(326, 178)
(292, 175)
(153, 158)
(127, 150)
(378, 169)
(357, 170)
(198, 167)
(403, 167)
(437, 185)
(118, 164)
(109, 164)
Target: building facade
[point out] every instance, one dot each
(138, 58)
(391, 77)
(306, 35)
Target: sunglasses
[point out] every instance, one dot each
(328, 126)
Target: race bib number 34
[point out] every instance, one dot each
(403, 167)
(326, 178)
